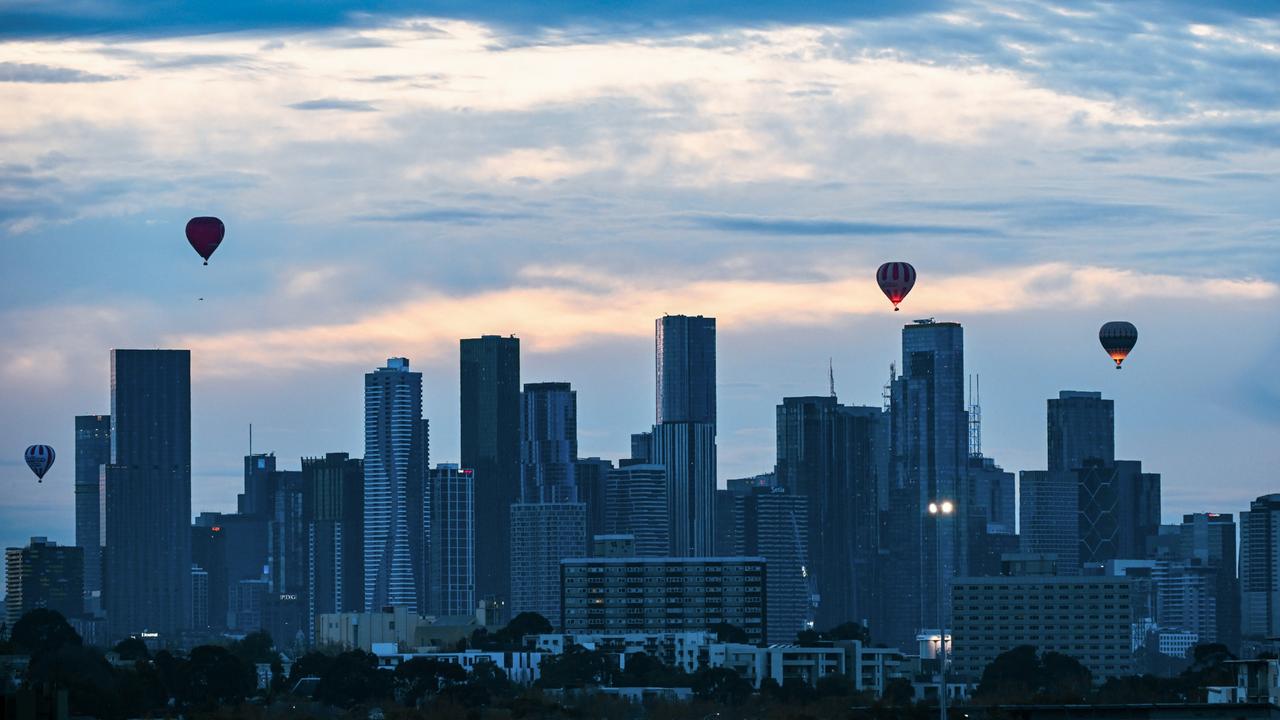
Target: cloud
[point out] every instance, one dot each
(820, 226)
(462, 216)
(334, 104)
(34, 73)
(550, 316)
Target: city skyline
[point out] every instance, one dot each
(762, 167)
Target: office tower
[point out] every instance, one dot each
(453, 519)
(685, 356)
(1087, 618)
(543, 534)
(688, 452)
(1209, 539)
(333, 508)
(602, 594)
(199, 599)
(548, 442)
(1186, 598)
(773, 523)
(1119, 509)
(394, 488)
(43, 575)
(636, 505)
(929, 455)
(642, 448)
(148, 483)
(287, 534)
(1050, 517)
(490, 417)
(93, 453)
(828, 452)
(993, 495)
(1081, 427)
(230, 548)
(1260, 569)
(592, 478)
(257, 496)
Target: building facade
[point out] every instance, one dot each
(333, 508)
(93, 454)
(685, 362)
(43, 575)
(543, 534)
(1260, 568)
(774, 524)
(636, 505)
(687, 451)
(453, 557)
(148, 484)
(548, 442)
(1049, 521)
(1081, 428)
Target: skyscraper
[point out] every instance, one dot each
(685, 356)
(1050, 516)
(1260, 568)
(394, 488)
(148, 483)
(548, 442)
(93, 454)
(930, 448)
(636, 504)
(453, 572)
(43, 575)
(333, 507)
(1209, 539)
(543, 534)
(772, 523)
(490, 433)
(1081, 427)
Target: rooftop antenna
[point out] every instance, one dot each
(975, 416)
(251, 438)
(831, 376)
(886, 395)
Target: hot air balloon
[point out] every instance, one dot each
(40, 459)
(1118, 338)
(205, 234)
(896, 280)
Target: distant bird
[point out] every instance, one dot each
(896, 280)
(40, 459)
(205, 235)
(1118, 338)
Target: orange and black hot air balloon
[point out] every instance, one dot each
(1118, 338)
(896, 280)
(205, 235)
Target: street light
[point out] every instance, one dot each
(939, 510)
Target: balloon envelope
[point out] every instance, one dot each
(1118, 338)
(205, 234)
(40, 459)
(896, 280)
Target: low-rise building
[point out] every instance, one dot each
(519, 667)
(779, 662)
(684, 650)
(1088, 618)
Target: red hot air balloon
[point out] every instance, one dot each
(205, 234)
(896, 280)
(1118, 338)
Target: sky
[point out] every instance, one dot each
(395, 176)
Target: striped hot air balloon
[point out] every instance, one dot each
(1118, 338)
(896, 280)
(40, 459)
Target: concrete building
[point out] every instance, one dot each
(655, 595)
(43, 575)
(1088, 618)
(520, 668)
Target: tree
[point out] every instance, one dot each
(215, 677)
(42, 631)
(848, 631)
(1063, 679)
(256, 647)
(730, 633)
(643, 670)
(420, 677)
(132, 648)
(84, 673)
(898, 693)
(576, 667)
(511, 637)
(1013, 677)
(353, 678)
(722, 686)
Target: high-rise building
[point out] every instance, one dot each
(685, 356)
(199, 599)
(395, 501)
(592, 478)
(1081, 428)
(1260, 568)
(543, 534)
(1050, 517)
(636, 505)
(43, 575)
(93, 454)
(148, 484)
(333, 508)
(287, 534)
(1119, 510)
(1209, 539)
(603, 594)
(772, 523)
(548, 442)
(688, 453)
(490, 433)
(230, 547)
(993, 495)
(829, 454)
(453, 519)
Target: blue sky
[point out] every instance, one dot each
(398, 175)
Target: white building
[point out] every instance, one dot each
(521, 668)
(779, 662)
(684, 650)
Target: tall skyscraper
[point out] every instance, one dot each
(548, 442)
(772, 523)
(828, 453)
(490, 430)
(636, 505)
(592, 478)
(1209, 540)
(1119, 510)
(1050, 516)
(1081, 427)
(685, 356)
(543, 534)
(453, 518)
(930, 448)
(1260, 569)
(230, 547)
(148, 483)
(43, 575)
(395, 502)
(333, 508)
(93, 454)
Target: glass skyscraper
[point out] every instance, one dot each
(548, 442)
(1081, 428)
(148, 483)
(93, 454)
(490, 433)
(395, 501)
(453, 571)
(636, 504)
(685, 356)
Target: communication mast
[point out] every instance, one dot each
(831, 376)
(975, 416)
(886, 395)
